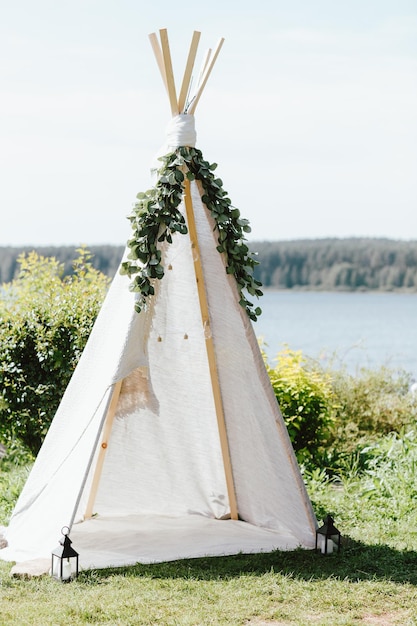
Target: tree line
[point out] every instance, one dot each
(338, 264)
(105, 258)
(319, 264)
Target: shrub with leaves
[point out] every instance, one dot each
(367, 405)
(374, 401)
(304, 394)
(45, 321)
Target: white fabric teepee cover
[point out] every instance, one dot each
(160, 490)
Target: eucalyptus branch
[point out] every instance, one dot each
(156, 217)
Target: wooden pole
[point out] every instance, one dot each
(107, 426)
(204, 65)
(188, 70)
(163, 33)
(205, 318)
(159, 58)
(206, 75)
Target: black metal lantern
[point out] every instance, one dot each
(328, 538)
(64, 559)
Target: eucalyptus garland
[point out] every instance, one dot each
(156, 217)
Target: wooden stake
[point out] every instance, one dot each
(163, 33)
(159, 58)
(203, 66)
(107, 426)
(188, 71)
(206, 75)
(205, 318)
(200, 76)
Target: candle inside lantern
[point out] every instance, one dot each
(330, 545)
(66, 570)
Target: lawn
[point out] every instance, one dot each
(373, 580)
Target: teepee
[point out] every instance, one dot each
(168, 442)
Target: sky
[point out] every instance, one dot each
(310, 114)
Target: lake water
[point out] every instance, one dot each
(354, 329)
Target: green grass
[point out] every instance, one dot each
(365, 582)
(373, 581)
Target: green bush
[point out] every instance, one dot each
(333, 416)
(373, 401)
(45, 321)
(304, 394)
(367, 405)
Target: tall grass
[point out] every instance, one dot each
(374, 500)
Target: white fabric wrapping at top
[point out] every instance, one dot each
(164, 456)
(181, 131)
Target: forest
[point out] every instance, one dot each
(317, 264)
(338, 264)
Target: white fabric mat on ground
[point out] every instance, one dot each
(113, 541)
